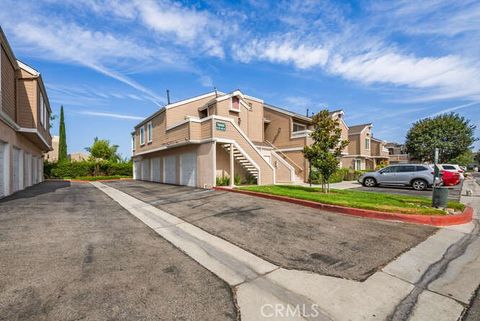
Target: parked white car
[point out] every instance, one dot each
(452, 168)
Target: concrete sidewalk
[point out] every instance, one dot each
(430, 289)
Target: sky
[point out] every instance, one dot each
(110, 62)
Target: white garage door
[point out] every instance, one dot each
(188, 166)
(34, 170)
(137, 169)
(146, 170)
(170, 170)
(27, 172)
(3, 169)
(16, 169)
(155, 169)
(40, 169)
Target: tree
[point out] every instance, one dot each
(463, 159)
(62, 144)
(325, 152)
(102, 149)
(451, 133)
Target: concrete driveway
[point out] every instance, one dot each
(288, 235)
(69, 252)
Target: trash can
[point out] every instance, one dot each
(440, 197)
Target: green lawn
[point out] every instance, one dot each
(99, 178)
(358, 199)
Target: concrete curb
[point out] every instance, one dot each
(85, 181)
(433, 220)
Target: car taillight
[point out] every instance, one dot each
(460, 171)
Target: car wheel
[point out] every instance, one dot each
(369, 182)
(419, 184)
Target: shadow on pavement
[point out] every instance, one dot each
(36, 190)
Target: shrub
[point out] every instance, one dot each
(339, 175)
(87, 169)
(223, 181)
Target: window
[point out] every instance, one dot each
(149, 132)
(133, 142)
(421, 168)
(405, 169)
(389, 169)
(358, 164)
(235, 103)
(299, 127)
(367, 143)
(142, 135)
(42, 110)
(449, 167)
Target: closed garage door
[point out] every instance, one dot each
(155, 169)
(34, 170)
(27, 171)
(16, 169)
(170, 170)
(188, 167)
(137, 170)
(3, 169)
(146, 170)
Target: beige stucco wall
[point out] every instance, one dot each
(177, 114)
(282, 172)
(16, 140)
(205, 174)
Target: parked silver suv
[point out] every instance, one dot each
(419, 177)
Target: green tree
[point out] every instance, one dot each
(325, 152)
(477, 157)
(62, 144)
(463, 159)
(102, 149)
(451, 133)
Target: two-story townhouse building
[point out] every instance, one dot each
(194, 141)
(24, 122)
(364, 151)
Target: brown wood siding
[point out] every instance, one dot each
(279, 130)
(177, 114)
(27, 103)
(8, 85)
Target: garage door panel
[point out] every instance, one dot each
(146, 176)
(137, 169)
(3, 170)
(155, 169)
(170, 170)
(188, 169)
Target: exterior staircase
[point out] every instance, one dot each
(242, 160)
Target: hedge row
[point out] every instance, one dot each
(342, 174)
(87, 168)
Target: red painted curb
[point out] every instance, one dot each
(433, 220)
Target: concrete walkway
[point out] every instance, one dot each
(432, 281)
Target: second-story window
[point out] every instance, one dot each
(42, 111)
(235, 103)
(142, 135)
(299, 127)
(367, 143)
(149, 132)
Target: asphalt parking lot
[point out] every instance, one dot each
(69, 252)
(288, 235)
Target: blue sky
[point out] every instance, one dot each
(109, 62)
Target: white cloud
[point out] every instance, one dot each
(282, 51)
(110, 115)
(450, 74)
(165, 16)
